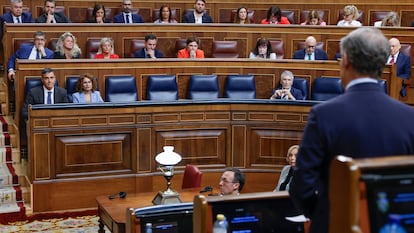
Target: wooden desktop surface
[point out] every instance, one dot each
(112, 212)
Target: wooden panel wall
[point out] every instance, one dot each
(84, 153)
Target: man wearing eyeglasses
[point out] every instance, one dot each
(231, 182)
(310, 52)
(126, 16)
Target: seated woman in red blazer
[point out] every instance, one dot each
(106, 49)
(191, 51)
(274, 16)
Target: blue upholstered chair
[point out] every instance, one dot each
(71, 82)
(203, 87)
(34, 82)
(240, 87)
(303, 85)
(326, 88)
(383, 84)
(162, 87)
(121, 89)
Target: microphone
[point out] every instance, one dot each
(117, 195)
(206, 189)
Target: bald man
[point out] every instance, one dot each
(310, 52)
(402, 61)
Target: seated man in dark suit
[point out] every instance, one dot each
(402, 61)
(126, 15)
(310, 52)
(50, 16)
(45, 94)
(31, 52)
(286, 91)
(16, 14)
(149, 51)
(199, 15)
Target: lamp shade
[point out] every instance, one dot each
(168, 157)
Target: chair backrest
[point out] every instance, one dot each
(192, 177)
(304, 15)
(301, 45)
(406, 49)
(52, 44)
(326, 88)
(225, 49)
(92, 47)
(278, 47)
(250, 15)
(203, 87)
(20, 42)
(303, 85)
(162, 87)
(290, 15)
(121, 89)
(180, 44)
(375, 16)
(34, 82)
(71, 82)
(240, 87)
(156, 14)
(6, 9)
(135, 46)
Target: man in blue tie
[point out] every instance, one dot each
(48, 93)
(37, 50)
(126, 16)
(16, 14)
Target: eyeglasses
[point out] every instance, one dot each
(310, 46)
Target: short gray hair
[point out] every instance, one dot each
(367, 50)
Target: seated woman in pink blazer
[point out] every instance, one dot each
(191, 50)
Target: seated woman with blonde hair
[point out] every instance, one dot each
(351, 16)
(287, 171)
(390, 20)
(191, 50)
(314, 19)
(86, 90)
(66, 47)
(106, 49)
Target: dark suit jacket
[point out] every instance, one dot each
(119, 18)
(58, 55)
(319, 54)
(59, 17)
(8, 18)
(94, 21)
(24, 53)
(295, 92)
(189, 18)
(363, 122)
(36, 96)
(403, 66)
(141, 53)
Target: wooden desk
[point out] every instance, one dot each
(112, 213)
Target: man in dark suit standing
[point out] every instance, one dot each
(31, 52)
(402, 61)
(149, 51)
(310, 52)
(126, 16)
(199, 15)
(50, 16)
(363, 122)
(16, 14)
(48, 93)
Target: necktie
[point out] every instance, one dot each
(18, 20)
(287, 180)
(392, 59)
(127, 19)
(309, 57)
(49, 97)
(38, 56)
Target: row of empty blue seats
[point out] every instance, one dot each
(165, 87)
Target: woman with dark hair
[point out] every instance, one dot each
(165, 15)
(263, 50)
(86, 90)
(274, 16)
(314, 19)
(98, 15)
(242, 16)
(191, 50)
